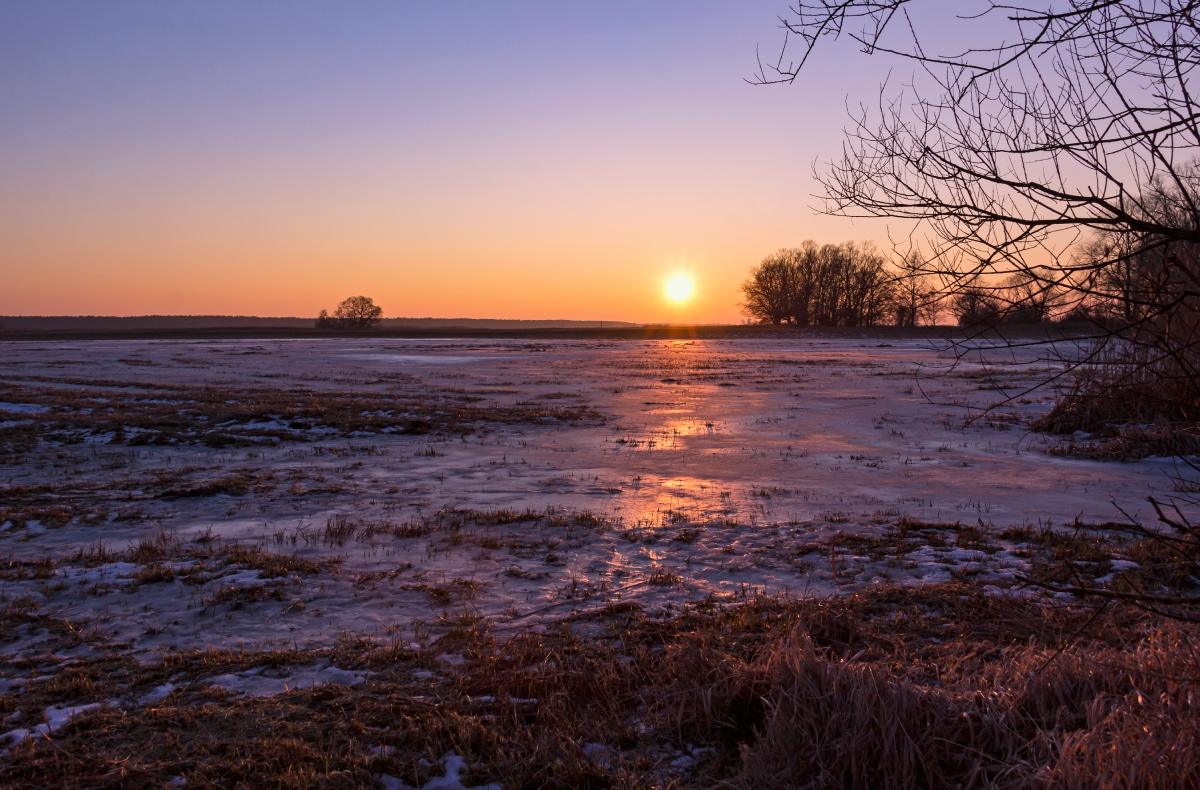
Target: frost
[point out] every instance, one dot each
(108, 573)
(250, 578)
(715, 460)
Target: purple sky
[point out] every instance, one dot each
(509, 159)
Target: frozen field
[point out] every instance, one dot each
(172, 495)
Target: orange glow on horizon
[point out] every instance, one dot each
(294, 173)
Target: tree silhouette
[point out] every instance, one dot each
(356, 312)
(831, 285)
(1049, 172)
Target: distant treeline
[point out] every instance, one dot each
(87, 323)
(853, 285)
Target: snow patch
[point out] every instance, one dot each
(157, 694)
(108, 573)
(56, 719)
(254, 683)
(455, 766)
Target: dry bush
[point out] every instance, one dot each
(839, 724)
(1125, 384)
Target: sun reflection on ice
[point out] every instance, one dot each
(674, 501)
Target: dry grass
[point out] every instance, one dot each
(148, 414)
(930, 687)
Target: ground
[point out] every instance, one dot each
(226, 536)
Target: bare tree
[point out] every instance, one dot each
(918, 298)
(1049, 170)
(974, 306)
(356, 312)
(1030, 296)
(1078, 124)
(771, 290)
(1073, 123)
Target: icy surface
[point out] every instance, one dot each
(688, 469)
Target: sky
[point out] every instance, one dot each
(520, 159)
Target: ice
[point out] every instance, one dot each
(22, 408)
(157, 694)
(109, 573)
(257, 682)
(703, 468)
(10, 684)
(242, 579)
(455, 766)
(420, 359)
(55, 719)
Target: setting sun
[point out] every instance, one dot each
(679, 288)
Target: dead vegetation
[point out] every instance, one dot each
(1157, 569)
(163, 557)
(1128, 401)
(137, 414)
(940, 686)
(935, 686)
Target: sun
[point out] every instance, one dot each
(679, 288)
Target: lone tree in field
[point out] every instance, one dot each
(357, 312)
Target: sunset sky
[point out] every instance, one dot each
(488, 159)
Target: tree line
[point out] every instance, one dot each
(847, 284)
(1121, 282)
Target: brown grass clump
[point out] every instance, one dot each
(271, 565)
(1156, 569)
(160, 546)
(230, 485)
(839, 724)
(239, 596)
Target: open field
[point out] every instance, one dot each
(573, 562)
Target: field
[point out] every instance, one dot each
(573, 562)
